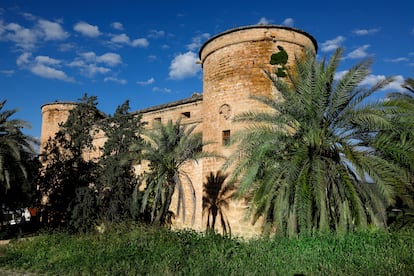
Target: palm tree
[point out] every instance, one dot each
(215, 200)
(13, 143)
(309, 162)
(168, 148)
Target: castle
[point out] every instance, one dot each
(233, 65)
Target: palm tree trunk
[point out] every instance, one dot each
(162, 215)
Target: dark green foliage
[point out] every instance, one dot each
(168, 148)
(18, 162)
(313, 161)
(132, 250)
(67, 174)
(280, 59)
(216, 200)
(117, 178)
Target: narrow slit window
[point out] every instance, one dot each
(226, 137)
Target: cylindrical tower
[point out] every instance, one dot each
(233, 67)
(52, 115)
(233, 64)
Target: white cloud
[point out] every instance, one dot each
(64, 47)
(113, 79)
(264, 21)
(47, 60)
(156, 34)
(124, 39)
(87, 29)
(117, 26)
(23, 59)
(338, 75)
(184, 66)
(91, 70)
(393, 86)
(333, 44)
(372, 79)
(396, 60)
(147, 82)
(288, 22)
(362, 32)
(8, 73)
(48, 72)
(197, 41)
(110, 59)
(163, 90)
(23, 38)
(42, 66)
(360, 52)
(141, 42)
(52, 30)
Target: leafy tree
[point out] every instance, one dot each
(117, 178)
(17, 161)
(310, 163)
(402, 151)
(215, 200)
(167, 149)
(68, 178)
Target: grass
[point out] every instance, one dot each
(137, 250)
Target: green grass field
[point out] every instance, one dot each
(136, 250)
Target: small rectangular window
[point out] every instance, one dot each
(186, 114)
(226, 137)
(157, 121)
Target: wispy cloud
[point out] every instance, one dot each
(362, 32)
(184, 66)
(197, 41)
(124, 39)
(333, 44)
(264, 21)
(7, 73)
(156, 34)
(114, 79)
(23, 38)
(397, 60)
(43, 66)
(360, 52)
(393, 86)
(117, 26)
(147, 82)
(163, 90)
(87, 29)
(91, 64)
(52, 30)
(289, 22)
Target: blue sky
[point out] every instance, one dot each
(146, 51)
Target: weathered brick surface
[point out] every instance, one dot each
(233, 64)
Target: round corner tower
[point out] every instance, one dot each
(233, 70)
(53, 114)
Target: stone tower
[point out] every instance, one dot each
(52, 115)
(233, 64)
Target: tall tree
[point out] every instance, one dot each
(167, 149)
(117, 177)
(309, 162)
(67, 178)
(17, 160)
